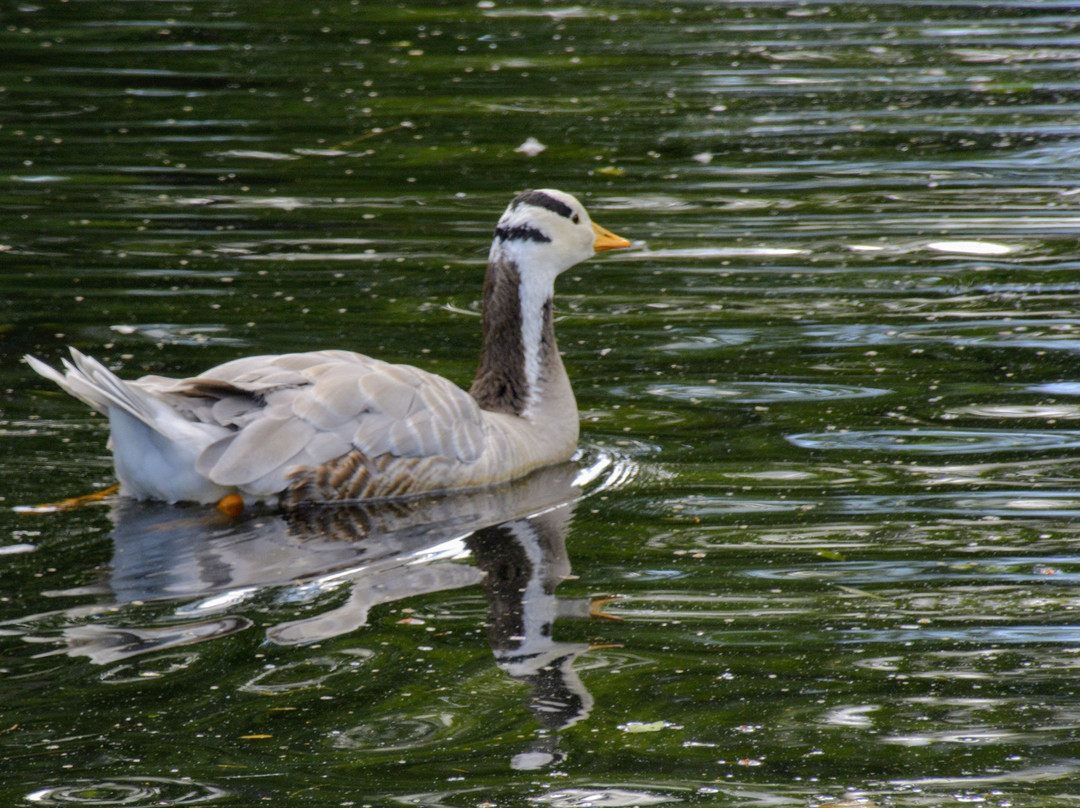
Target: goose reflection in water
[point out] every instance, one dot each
(523, 561)
(514, 534)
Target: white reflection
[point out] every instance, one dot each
(854, 717)
(971, 247)
(609, 797)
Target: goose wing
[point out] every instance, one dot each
(303, 410)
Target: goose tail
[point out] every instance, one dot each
(91, 382)
(155, 447)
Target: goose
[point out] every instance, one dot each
(336, 425)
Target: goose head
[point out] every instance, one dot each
(541, 234)
(545, 232)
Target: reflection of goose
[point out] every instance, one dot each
(332, 425)
(523, 561)
(383, 553)
(175, 551)
(104, 644)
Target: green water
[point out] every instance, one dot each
(829, 403)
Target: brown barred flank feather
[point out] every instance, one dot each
(355, 476)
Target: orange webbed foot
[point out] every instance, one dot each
(68, 504)
(231, 505)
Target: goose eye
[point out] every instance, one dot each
(575, 219)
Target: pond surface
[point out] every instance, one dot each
(821, 544)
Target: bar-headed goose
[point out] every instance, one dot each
(336, 425)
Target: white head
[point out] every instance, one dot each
(546, 232)
(541, 234)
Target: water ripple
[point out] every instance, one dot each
(128, 791)
(611, 797)
(303, 674)
(103, 643)
(936, 441)
(1005, 570)
(953, 326)
(1042, 412)
(760, 392)
(604, 469)
(1058, 504)
(144, 669)
(396, 733)
(174, 334)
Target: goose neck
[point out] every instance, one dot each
(519, 359)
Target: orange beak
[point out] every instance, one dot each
(606, 240)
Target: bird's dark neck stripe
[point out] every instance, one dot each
(502, 383)
(541, 200)
(521, 232)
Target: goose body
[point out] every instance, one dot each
(337, 425)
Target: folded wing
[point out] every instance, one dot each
(304, 410)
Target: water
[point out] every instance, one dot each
(829, 398)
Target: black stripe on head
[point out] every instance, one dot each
(541, 200)
(521, 232)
